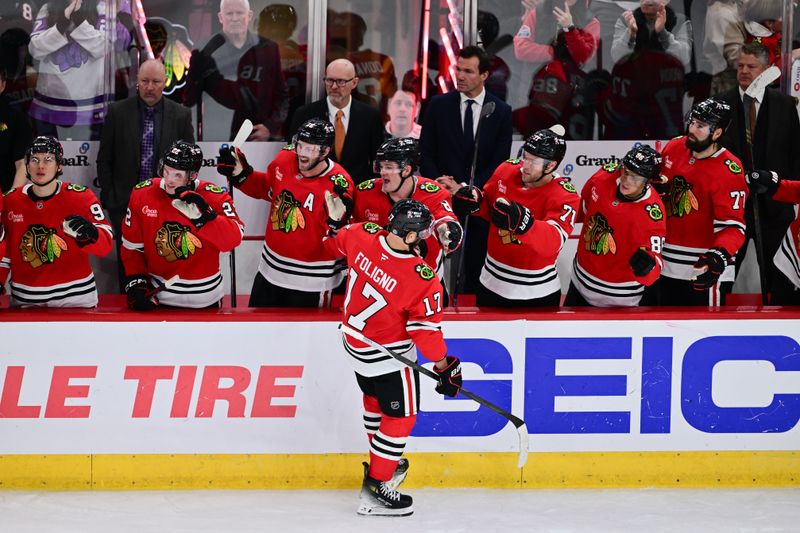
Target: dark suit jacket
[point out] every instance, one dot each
(119, 154)
(441, 141)
(365, 134)
(776, 144)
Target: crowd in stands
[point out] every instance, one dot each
(663, 226)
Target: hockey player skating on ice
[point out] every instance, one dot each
(704, 203)
(51, 229)
(174, 230)
(532, 210)
(395, 162)
(296, 270)
(619, 251)
(395, 299)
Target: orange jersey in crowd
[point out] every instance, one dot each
(393, 298)
(294, 256)
(704, 207)
(48, 268)
(613, 230)
(787, 259)
(371, 204)
(523, 267)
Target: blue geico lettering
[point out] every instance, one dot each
(543, 386)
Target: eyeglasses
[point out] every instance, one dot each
(339, 83)
(48, 160)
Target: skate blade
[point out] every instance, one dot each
(370, 510)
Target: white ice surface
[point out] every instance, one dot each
(436, 511)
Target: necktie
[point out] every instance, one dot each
(147, 146)
(750, 115)
(469, 134)
(339, 133)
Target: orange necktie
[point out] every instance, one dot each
(338, 141)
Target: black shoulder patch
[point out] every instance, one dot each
(76, 188)
(366, 185)
(289, 147)
(216, 189)
(371, 227)
(654, 212)
(733, 166)
(514, 160)
(340, 180)
(610, 167)
(567, 186)
(430, 187)
(425, 272)
(143, 184)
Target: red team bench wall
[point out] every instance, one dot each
(112, 399)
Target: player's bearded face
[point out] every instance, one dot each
(174, 178)
(308, 155)
(698, 135)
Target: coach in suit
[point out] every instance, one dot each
(136, 132)
(447, 146)
(358, 126)
(775, 145)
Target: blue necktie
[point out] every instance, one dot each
(147, 147)
(469, 134)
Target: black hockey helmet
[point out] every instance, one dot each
(713, 111)
(488, 27)
(45, 145)
(183, 155)
(644, 161)
(280, 15)
(315, 131)
(546, 144)
(410, 215)
(404, 151)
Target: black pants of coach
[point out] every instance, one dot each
(679, 292)
(266, 294)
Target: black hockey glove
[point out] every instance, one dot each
(513, 217)
(449, 377)
(80, 229)
(193, 206)
(642, 263)
(203, 69)
(450, 236)
(467, 200)
(232, 164)
(141, 296)
(660, 185)
(714, 262)
(762, 181)
(340, 207)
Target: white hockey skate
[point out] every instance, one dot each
(400, 473)
(378, 499)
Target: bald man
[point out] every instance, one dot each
(136, 131)
(359, 126)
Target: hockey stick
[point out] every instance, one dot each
(211, 46)
(161, 286)
(241, 136)
(486, 112)
(522, 429)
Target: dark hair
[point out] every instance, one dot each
(476, 51)
(758, 50)
(3, 74)
(55, 11)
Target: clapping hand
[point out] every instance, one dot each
(630, 20)
(563, 17)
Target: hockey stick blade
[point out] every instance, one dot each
(244, 132)
(759, 85)
(522, 429)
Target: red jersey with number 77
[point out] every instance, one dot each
(394, 298)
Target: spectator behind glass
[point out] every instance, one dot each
(725, 36)
(763, 25)
(16, 25)
(403, 107)
(69, 42)
(15, 136)
(562, 37)
(499, 72)
(653, 26)
(277, 22)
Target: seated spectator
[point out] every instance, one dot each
(51, 229)
(724, 39)
(177, 226)
(561, 40)
(653, 26)
(15, 137)
(403, 115)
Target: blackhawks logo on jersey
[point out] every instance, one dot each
(175, 241)
(506, 237)
(366, 185)
(514, 160)
(680, 200)
(425, 272)
(286, 213)
(598, 236)
(76, 188)
(567, 186)
(610, 167)
(40, 245)
(216, 189)
(371, 227)
(143, 184)
(339, 180)
(733, 166)
(654, 212)
(429, 187)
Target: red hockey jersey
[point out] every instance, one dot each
(613, 230)
(160, 242)
(371, 204)
(787, 258)
(523, 267)
(704, 207)
(294, 256)
(47, 267)
(393, 298)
